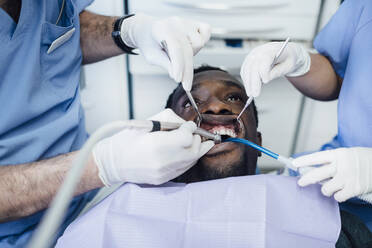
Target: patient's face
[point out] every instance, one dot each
(220, 99)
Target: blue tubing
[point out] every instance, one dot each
(253, 145)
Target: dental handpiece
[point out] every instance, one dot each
(167, 126)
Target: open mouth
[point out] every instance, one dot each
(225, 125)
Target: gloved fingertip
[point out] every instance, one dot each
(298, 163)
(339, 199)
(205, 147)
(177, 77)
(302, 183)
(325, 192)
(340, 196)
(187, 84)
(189, 125)
(209, 144)
(256, 92)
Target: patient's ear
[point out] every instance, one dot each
(259, 141)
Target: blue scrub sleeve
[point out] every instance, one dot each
(81, 4)
(335, 39)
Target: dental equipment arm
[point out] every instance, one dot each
(44, 235)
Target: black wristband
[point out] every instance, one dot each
(116, 35)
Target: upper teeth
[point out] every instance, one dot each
(224, 131)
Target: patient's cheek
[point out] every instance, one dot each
(186, 114)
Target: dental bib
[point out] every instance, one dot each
(250, 211)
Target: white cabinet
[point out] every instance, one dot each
(263, 19)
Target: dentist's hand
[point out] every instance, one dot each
(256, 69)
(152, 158)
(183, 39)
(167, 115)
(348, 171)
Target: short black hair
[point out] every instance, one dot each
(204, 68)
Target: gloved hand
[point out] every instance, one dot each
(348, 171)
(183, 39)
(152, 158)
(167, 115)
(257, 67)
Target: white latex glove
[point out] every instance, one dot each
(348, 171)
(183, 38)
(167, 115)
(256, 69)
(152, 158)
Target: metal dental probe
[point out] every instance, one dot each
(275, 61)
(166, 126)
(250, 99)
(277, 55)
(193, 103)
(188, 93)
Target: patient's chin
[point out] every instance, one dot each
(223, 154)
(218, 165)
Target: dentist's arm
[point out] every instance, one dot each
(28, 188)
(182, 38)
(95, 37)
(321, 82)
(128, 156)
(312, 74)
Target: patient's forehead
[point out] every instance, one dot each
(217, 76)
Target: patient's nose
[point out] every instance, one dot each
(216, 106)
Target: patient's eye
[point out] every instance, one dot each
(234, 98)
(187, 104)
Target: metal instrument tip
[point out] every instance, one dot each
(250, 99)
(193, 103)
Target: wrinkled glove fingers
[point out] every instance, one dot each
(167, 115)
(255, 81)
(343, 195)
(184, 135)
(196, 41)
(331, 186)
(176, 56)
(313, 159)
(264, 69)
(188, 69)
(160, 57)
(317, 175)
(245, 76)
(204, 29)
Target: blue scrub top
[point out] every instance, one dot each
(347, 42)
(41, 114)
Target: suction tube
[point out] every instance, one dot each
(284, 160)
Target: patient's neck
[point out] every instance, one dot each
(201, 172)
